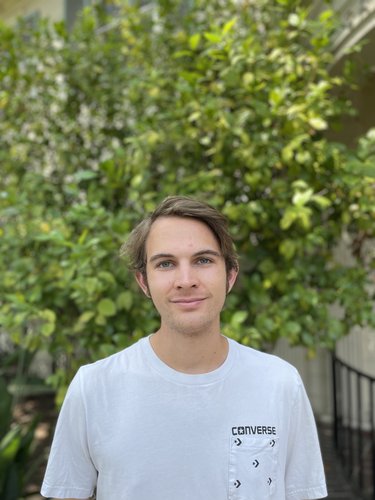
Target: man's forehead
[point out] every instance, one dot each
(170, 232)
(177, 223)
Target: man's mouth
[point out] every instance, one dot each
(189, 300)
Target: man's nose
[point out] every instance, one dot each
(186, 277)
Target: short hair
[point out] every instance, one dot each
(180, 206)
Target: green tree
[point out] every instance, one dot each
(227, 101)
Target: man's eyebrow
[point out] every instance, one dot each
(161, 256)
(197, 254)
(207, 252)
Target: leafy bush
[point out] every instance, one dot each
(15, 443)
(227, 101)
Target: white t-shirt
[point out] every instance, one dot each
(133, 428)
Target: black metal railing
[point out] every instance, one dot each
(354, 425)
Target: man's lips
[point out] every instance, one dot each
(190, 300)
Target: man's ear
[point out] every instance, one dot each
(231, 279)
(142, 282)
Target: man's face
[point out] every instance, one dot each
(186, 275)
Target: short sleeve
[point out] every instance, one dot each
(70, 471)
(305, 479)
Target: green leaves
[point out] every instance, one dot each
(48, 318)
(15, 443)
(226, 104)
(287, 248)
(194, 41)
(230, 25)
(107, 307)
(125, 300)
(299, 214)
(318, 123)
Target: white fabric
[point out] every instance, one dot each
(135, 429)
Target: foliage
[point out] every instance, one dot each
(227, 101)
(15, 444)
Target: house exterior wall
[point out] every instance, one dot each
(363, 102)
(357, 21)
(316, 374)
(10, 10)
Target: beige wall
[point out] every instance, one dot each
(353, 127)
(316, 375)
(10, 10)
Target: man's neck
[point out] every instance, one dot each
(192, 354)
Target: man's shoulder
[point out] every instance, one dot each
(121, 361)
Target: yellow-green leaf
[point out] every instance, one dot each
(229, 25)
(238, 318)
(318, 123)
(86, 316)
(248, 78)
(48, 315)
(287, 248)
(213, 37)
(125, 300)
(107, 307)
(194, 41)
(322, 201)
(100, 320)
(288, 218)
(301, 198)
(47, 329)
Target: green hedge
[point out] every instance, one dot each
(227, 101)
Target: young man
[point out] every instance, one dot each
(185, 413)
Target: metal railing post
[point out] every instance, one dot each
(352, 424)
(336, 397)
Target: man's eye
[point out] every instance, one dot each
(164, 265)
(204, 260)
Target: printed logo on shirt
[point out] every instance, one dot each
(242, 430)
(253, 462)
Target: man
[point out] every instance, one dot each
(185, 413)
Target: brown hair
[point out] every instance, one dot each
(180, 206)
